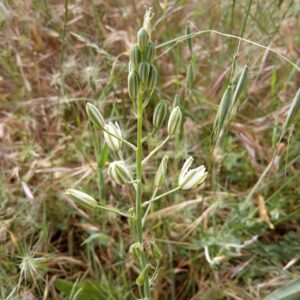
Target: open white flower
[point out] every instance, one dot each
(112, 142)
(189, 179)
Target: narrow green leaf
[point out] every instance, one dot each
(290, 291)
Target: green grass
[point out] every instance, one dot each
(47, 145)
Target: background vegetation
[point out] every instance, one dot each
(56, 55)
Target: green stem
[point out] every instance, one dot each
(155, 150)
(138, 200)
(161, 196)
(149, 206)
(116, 211)
(120, 139)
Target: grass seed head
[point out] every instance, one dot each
(295, 106)
(189, 40)
(240, 85)
(190, 77)
(223, 110)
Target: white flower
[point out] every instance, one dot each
(112, 142)
(189, 179)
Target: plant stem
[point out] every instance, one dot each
(149, 206)
(120, 139)
(161, 196)
(116, 211)
(155, 150)
(138, 200)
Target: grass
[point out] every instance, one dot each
(53, 62)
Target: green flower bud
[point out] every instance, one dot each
(141, 278)
(133, 85)
(155, 251)
(136, 251)
(159, 115)
(83, 198)
(94, 115)
(150, 52)
(174, 120)
(135, 57)
(144, 71)
(119, 172)
(161, 172)
(142, 38)
(112, 142)
(152, 78)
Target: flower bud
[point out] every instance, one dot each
(94, 115)
(142, 39)
(133, 85)
(119, 172)
(189, 179)
(112, 142)
(141, 278)
(161, 172)
(155, 251)
(135, 57)
(152, 78)
(136, 251)
(83, 198)
(144, 70)
(159, 115)
(149, 52)
(174, 120)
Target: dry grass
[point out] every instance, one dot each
(51, 63)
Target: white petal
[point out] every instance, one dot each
(185, 168)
